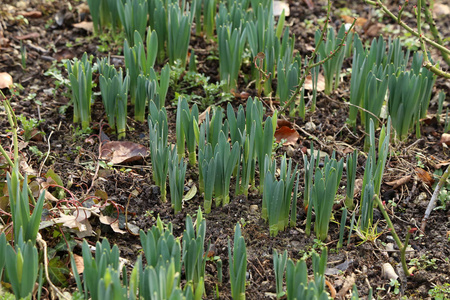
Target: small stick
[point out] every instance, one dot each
(432, 202)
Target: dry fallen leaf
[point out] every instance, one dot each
(5, 80)
(401, 181)
(64, 54)
(79, 263)
(113, 222)
(285, 133)
(359, 21)
(32, 14)
(88, 26)
(424, 176)
(445, 139)
(32, 35)
(118, 152)
(320, 83)
(283, 122)
(374, 30)
(202, 116)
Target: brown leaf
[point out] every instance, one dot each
(33, 35)
(320, 83)
(374, 30)
(359, 21)
(283, 122)
(202, 116)
(79, 263)
(88, 26)
(113, 222)
(401, 181)
(285, 133)
(118, 152)
(442, 164)
(445, 139)
(5, 80)
(34, 14)
(64, 54)
(424, 176)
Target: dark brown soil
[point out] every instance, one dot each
(131, 188)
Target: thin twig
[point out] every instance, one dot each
(43, 245)
(433, 199)
(46, 156)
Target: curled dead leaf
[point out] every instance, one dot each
(5, 80)
(445, 139)
(202, 116)
(424, 176)
(118, 152)
(283, 122)
(113, 222)
(88, 26)
(320, 83)
(359, 21)
(401, 181)
(34, 14)
(79, 263)
(285, 133)
(33, 35)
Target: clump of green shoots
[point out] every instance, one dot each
(80, 76)
(238, 264)
(186, 128)
(159, 149)
(177, 173)
(326, 184)
(332, 67)
(194, 256)
(373, 173)
(114, 90)
(278, 199)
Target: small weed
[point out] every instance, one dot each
(440, 292)
(29, 125)
(36, 152)
(423, 262)
(395, 285)
(370, 235)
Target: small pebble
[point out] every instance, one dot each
(253, 208)
(290, 152)
(310, 126)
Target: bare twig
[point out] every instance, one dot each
(48, 153)
(433, 199)
(423, 39)
(43, 245)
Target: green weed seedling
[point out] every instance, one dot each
(29, 126)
